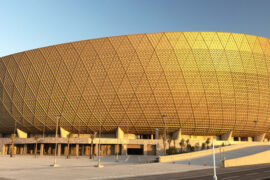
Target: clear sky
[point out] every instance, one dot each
(29, 24)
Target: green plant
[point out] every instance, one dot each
(172, 150)
(188, 145)
(207, 142)
(197, 146)
(36, 140)
(12, 144)
(203, 145)
(182, 145)
(164, 139)
(68, 138)
(93, 136)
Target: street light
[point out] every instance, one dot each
(117, 158)
(56, 135)
(99, 165)
(164, 117)
(255, 122)
(157, 137)
(127, 141)
(214, 163)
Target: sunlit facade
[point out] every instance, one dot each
(204, 83)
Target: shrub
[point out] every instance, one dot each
(172, 150)
(203, 145)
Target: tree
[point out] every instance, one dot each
(203, 145)
(164, 138)
(172, 150)
(12, 144)
(92, 136)
(182, 145)
(188, 145)
(68, 138)
(207, 142)
(197, 146)
(36, 147)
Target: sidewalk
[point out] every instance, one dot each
(26, 167)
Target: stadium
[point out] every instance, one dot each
(198, 84)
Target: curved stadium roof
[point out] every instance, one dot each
(206, 83)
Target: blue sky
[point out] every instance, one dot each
(29, 24)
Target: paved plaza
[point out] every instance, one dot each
(27, 167)
(220, 155)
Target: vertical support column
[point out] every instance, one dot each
(124, 149)
(41, 149)
(59, 150)
(21, 150)
(1, 147)
(116, 149)
(77, 150)
(83, 150)
(4, 151)
(25, 149)
(145, 149)
(87, 150)
(15, 150)
(50, 150)
(65, 149)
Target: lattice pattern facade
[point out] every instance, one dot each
(206, 83)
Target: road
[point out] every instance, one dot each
(255, 172)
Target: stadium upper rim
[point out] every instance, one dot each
(130, 35)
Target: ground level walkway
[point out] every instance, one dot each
(27, 167)
(227, 155)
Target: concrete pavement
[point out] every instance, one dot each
(27, 167)
(208, 160)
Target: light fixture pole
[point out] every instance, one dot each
(164, 117)
(127, 141)
(255, 122)
(117, 158)
(214, 162)
(157, 137)
(99, 165)
(56, 136)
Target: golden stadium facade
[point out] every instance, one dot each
(206, 83)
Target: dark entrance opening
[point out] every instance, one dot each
(135, 151)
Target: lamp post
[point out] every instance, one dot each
(164, 117)
(117, 152)
(157, 137)
(127, 141)
(255, 123)
(56, 136)
(99, 165)
(214, 162)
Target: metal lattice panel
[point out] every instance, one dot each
(206, 83)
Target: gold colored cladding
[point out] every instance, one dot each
(205, 82)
